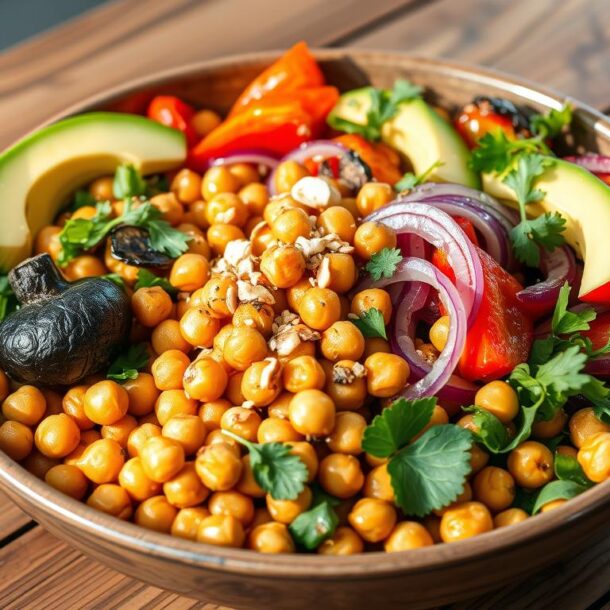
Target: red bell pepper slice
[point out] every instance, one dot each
(296, 69)
(173, 112)
(501, 335)
(472, 124)
(599, 295)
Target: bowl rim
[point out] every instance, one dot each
(19, 484)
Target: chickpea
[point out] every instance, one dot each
(106, 402)
(373, 519)
(372, 298)
(84, 266)
(464, 521)
(143, 394)
(465, 496)
(553, 427)
(232, 503)
(372, 237)
(552, 505)
(226, 208)
(195, 214)
(57, 436)
(197, 243)
(68, 479)
(439, 332)
(221, 530)
(218, 296)
(186, 185)
(287, 174)
(255, 196)
(168, 369)
(219, 437)
(346, 396)
(219, 179)
(499, 399)
(102, 188)
(151, 306)
(233, 392)
(261, 382)
(274, 430)
(174, 402)
(338, 220)
(27, 405)
(342, 272)
(261, 238)
(345, 541)
(205, 379)
(111, 499)
(212, 412)
(567, 450)
(220, 234)
(185, 489)
(439, 418)
(171, 209)
(387, 374)
(583, 425)
(271, 537)
(46, 239)
(73, 404)
(291, 224)
(167, 336)
(407, 535)
(139, 436)
(320, 308)
(531, 464)
(205, 121)
(187, 522)
(86, 212)
(378, 484)
(494, 487)
(478, 459)
(303, 373)
(286, 511)
(307, 454)
(156, 514)
(347, 434)
(340, 475)
(198, 327)
(243, 347)
(162, 458)
(247, 484)
(373, 345)
(219, 466)
(312, 413)
(510, 516)
(16, 440)
(283, 265)
(372, 196)
(36, 463)
(188, 430)
(101, 461)
(133, 479)
(594, 457)
(255, 316)
(342, 341)
(120, 430)
(189, 272)
(242, 422)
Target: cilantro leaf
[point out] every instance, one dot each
(557, 490)
(312, 527)
(115, 278)
(383, 263)
(404, 91)
(552, 124)
(164, 238)
(430, 473)
(565, 321)
(410, 180)
(8, 300)
(490, 430)
(371, 323)
(81, 199)
(126, 366)
(397, 425)
(128, 182)
(147, 279)
(567, 468)
(278, 471)
(521, 178)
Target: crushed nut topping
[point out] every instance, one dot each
(231, 299)
(323, 277)
(314, 248)
(344, 375)
(288, 332)
(247, 293)
(270, 370)
(315, 192)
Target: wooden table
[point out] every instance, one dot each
(562, 43)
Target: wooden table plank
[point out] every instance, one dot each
(565, 45)
(12, 519)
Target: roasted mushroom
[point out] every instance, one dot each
(132, 246)
(352, 170)
(63, 331)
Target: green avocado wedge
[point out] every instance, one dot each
(584, 201)
(418, 133)
(38, 173)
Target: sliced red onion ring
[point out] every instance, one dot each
(430, 378)
(559, 266)
(596, 164)
(599, 366)
(322, 149)
(438, 228)
(256, 157)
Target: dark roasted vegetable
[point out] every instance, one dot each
(352, 170)
(132, 246)
(63, 331)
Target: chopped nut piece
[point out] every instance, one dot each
(323, 276)
(315, 192)
(270, 370)
(288, 332)
(246, 293)
(344, 375)
(231, 299)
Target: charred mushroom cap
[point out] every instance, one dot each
(63, 331)
(132, 246)
(519, 117)
(353, 171)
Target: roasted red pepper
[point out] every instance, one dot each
(296, 69)
(599, 330)
(599, 295)
(501, 336)
(173, 112)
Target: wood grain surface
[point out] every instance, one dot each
(564, 44)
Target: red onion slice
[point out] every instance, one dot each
(596, 164)
(559, 267)
(254, 157)
(438, 228)
(432, 377)
(316, 149)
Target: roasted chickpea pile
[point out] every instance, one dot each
(257, 341)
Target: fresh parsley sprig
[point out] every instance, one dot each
(428, 473)
(312, 527)
(147, 279)
(383, 263)
(370, 323)
(552, 124)
(128, 182)
(410, 180)
(128, 365)
(279, 472)
(383, 106)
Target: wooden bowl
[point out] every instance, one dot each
(427, 577)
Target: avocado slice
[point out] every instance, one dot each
(38, 173)
(584, 201)
(416, 131)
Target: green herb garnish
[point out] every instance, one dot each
(312, 527)
(410, 180)
(81, 199)
(128, 182)
(128, 365)
(370, 323)
(147, 279)
(383, 263)
(557, 490)
(8, 300)
(115, 278)
(552, 124)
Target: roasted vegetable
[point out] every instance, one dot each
(63, 331)
(132, 246)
